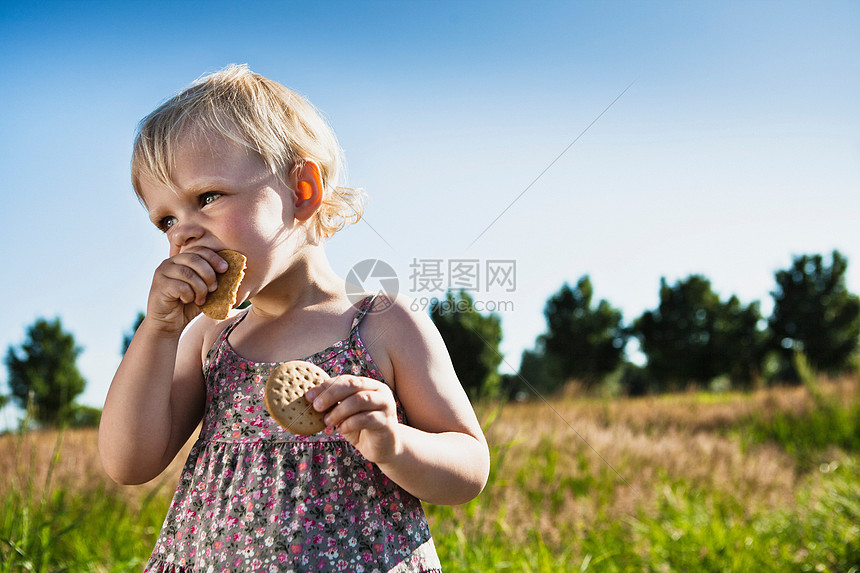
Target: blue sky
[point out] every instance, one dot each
(736, 147)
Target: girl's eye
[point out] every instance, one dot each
(208, 198)
(166, 223)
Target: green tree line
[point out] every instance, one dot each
(692, 337)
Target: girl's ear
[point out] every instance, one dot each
(308, 193)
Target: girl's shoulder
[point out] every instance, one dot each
(398, 331)
(397, 318)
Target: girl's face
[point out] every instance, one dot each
(224, 197)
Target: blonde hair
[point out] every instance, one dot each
(278, 124)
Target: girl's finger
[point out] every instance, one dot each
(337, 389)
(374, 420)
(181, 274)
(367, 402)
(198, 269)
(205, 263)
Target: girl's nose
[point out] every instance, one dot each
(184, 234)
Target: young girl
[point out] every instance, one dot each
(238, 161)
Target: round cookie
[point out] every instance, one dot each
(285, 396)
(220, 301)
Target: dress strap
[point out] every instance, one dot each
(233, 324)
(215, 350)
(363, 308)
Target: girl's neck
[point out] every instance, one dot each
(308, 281)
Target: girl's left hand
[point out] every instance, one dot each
(363, 411)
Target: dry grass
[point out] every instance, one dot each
(681, 435)
(613, 459)
(45, 460)
(560, 472)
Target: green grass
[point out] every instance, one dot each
(67, 531)
(48, 528)
(551, 504)
(692, 530)
(681, 524)
(809, 436)
(704, 531)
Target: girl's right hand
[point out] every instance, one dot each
(180, 286)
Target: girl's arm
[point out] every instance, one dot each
(154, 403)
(157, 396)
(441, 457)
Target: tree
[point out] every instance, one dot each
(739, 342)
(472, 340)
(816, 314)
(43, 373)
(693, 337)
(582, 341)
(126, 339)
(538, 372)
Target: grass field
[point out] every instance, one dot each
(761, 481)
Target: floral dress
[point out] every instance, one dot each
(253, 497)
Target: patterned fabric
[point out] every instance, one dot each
(253, 497)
